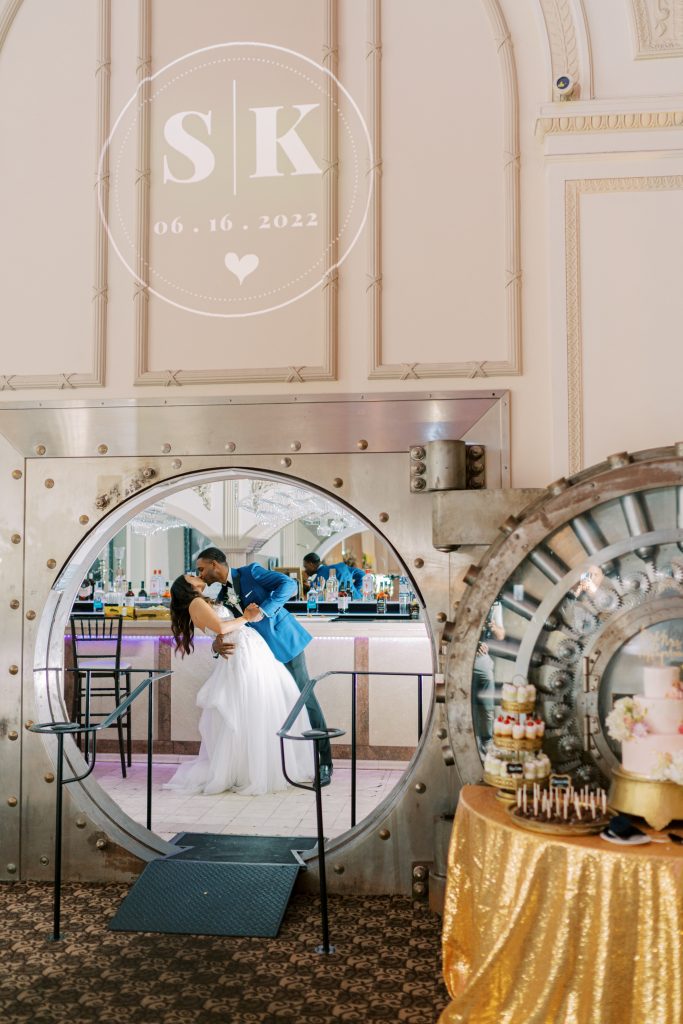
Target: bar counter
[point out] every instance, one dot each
(386, 704)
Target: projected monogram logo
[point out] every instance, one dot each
(250, 145)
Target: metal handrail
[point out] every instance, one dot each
(62, 729)
(317, 736)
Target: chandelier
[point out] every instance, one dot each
(277, 505)
(154, 520)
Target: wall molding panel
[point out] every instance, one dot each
(574, 190)
(512, 365)
(96, 376)
(568, 43)
(328, 368)
(658, 28)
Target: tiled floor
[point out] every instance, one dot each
(276, 814)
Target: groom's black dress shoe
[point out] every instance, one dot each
(325, 774)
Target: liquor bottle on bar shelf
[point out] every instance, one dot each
(368, 587)
(332, 587)
(382, 602)
(403, 596)
(344, 598)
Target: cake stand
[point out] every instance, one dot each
(657, 802)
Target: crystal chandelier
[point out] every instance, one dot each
(153, 520)
(276, 505)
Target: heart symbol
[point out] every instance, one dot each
(241, 266)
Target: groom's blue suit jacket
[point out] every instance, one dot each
(269, 590)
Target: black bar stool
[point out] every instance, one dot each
(104, 662)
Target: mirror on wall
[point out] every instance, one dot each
(374, 641)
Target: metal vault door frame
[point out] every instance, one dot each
(74, 454)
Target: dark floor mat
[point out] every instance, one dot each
(240, 849)
(207, 898)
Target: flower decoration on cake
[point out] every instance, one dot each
(627, 719)
(669, 767)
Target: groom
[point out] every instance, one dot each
(252, 584)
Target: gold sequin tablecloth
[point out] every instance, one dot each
(542, 929)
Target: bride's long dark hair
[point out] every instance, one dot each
(182, 626)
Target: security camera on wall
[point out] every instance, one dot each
(565, 86)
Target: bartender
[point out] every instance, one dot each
(347, 577)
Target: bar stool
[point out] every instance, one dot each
(104, 662)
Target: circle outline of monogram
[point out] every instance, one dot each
(233, 263)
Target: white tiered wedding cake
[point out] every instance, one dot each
(650, 727)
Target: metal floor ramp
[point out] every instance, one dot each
(216, 885)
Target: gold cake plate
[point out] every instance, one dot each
(508, 785)
(521, 708)
(556, 828)
(508, 743)
(657, 802)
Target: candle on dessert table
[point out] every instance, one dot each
(535, 803)
(524, 799)
(577, 808)
(519, 797)
(565, 809)
(604, 801)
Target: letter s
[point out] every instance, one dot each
(197, 152)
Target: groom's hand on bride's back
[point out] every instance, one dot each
(223, 647)
(252, 613)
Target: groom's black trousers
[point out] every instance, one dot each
(299, 671)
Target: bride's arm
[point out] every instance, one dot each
(204, 617)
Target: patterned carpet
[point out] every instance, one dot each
(386, 968)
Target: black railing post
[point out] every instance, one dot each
(419, 707)
(325, 947)
(87, 715)
(354, 696)
(58, 840)
(150, 734)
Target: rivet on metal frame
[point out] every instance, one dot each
(102, 449)
(28, 723)
(12, 801)
(17, 474)
(420, 787)
(286, 462)
(295, 446)
(361, 445)
(176, 464)
(49, 483)
(40, 449)
(384, 833)
(30, 615)
(101, 844)
(80, 823)
(166, 448)
(49, 777)
(384, 517)
(44, 860)
(13, 735)
(51, 563)
(339, 869)
(417, 452)
(16, 538)
(337, 482)
(419, 889)
(441, 733)
(83, 520)
(418, 563)
(13, 669)
(11, 869)
(14, 603)
(441, 616)
(230, 446)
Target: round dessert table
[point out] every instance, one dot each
(544, 929)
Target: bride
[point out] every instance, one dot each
(244, 702)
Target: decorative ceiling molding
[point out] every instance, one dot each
(327, 370)
(573, 191)
(96, 377)
(379, 370)
(658, 28)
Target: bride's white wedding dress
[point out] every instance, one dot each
(244, 702)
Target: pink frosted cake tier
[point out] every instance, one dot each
(663, 717)
(641, 753)
(659, 682)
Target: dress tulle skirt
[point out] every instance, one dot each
(244, 702)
